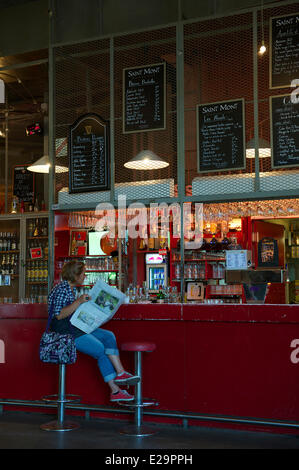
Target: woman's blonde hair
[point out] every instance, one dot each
(71, 270)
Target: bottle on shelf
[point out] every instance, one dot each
(30, 206)
(14, 242)
(14, 205)
(36, 231)
(36, 205)
(4, 242)
(160, 295)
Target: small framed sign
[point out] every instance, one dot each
(36, 253)
(89, 154)
(78, 243)
(195, 291)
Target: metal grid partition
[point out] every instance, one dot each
(281, 178)
(82, 85)
(220, 64)
(144, 49)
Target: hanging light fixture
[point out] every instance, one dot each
(146, 160)
(42, 165)
(263, 48)
(263, 146)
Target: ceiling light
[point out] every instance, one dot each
(146, 160)
(264, 148)
(42, 165)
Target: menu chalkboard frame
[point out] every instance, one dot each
(30, 173)
(272, 19)
(91, 188)
(294, 165)
(163, 120)
(220, 170)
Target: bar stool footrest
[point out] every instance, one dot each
(68, 398)
(133, 404)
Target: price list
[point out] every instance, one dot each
(23, 184)
(284, 131)
(284, 50)
(144, 98)
(221, 139)
(89, 166)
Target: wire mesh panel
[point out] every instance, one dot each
(282, 178)
(218, 68)
(82, 85)
(131, 52)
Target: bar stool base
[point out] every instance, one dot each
(138, 431)
(61, 427)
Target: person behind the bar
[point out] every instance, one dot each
(100, 344)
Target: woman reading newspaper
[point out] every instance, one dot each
(100, 344)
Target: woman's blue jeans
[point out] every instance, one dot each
(99, 344)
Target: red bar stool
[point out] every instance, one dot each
(138, 429)
(61, 399)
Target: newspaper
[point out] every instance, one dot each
(105, 301)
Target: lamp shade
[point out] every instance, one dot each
(42, 165)
(264, 148)
(146, 160)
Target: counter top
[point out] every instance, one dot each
(176, 312)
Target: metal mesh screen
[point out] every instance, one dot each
(82, 85)
(137, 50)
(264, 93)
(218, 66)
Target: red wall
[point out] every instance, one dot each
(218, 359)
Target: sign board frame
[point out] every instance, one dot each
(88, 131)
(220, 170)
(124, 113)
(271, 20)
(31, 174)
(294, 165)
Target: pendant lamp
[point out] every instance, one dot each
(42, 165)
(146, 160)
(263, 146)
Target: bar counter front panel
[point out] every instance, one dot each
(235, 360)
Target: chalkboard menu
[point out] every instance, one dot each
(89, 154)
(144, 99)
(23, 183)
(284, 131)
(221, 136)
(284, 50)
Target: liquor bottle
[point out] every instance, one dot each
(8, 241)
(14, 205)
(4, 242)
(36, 206)
(44, 227)
(160, 295)
(151, 243)
(36, 231)
(13, 242)
(1, 242)
(22, 207)
(30, 207)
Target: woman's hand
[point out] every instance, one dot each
(69, 309)
(83, 298)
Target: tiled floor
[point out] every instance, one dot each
(20, 430)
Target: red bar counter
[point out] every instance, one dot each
(234, 360)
